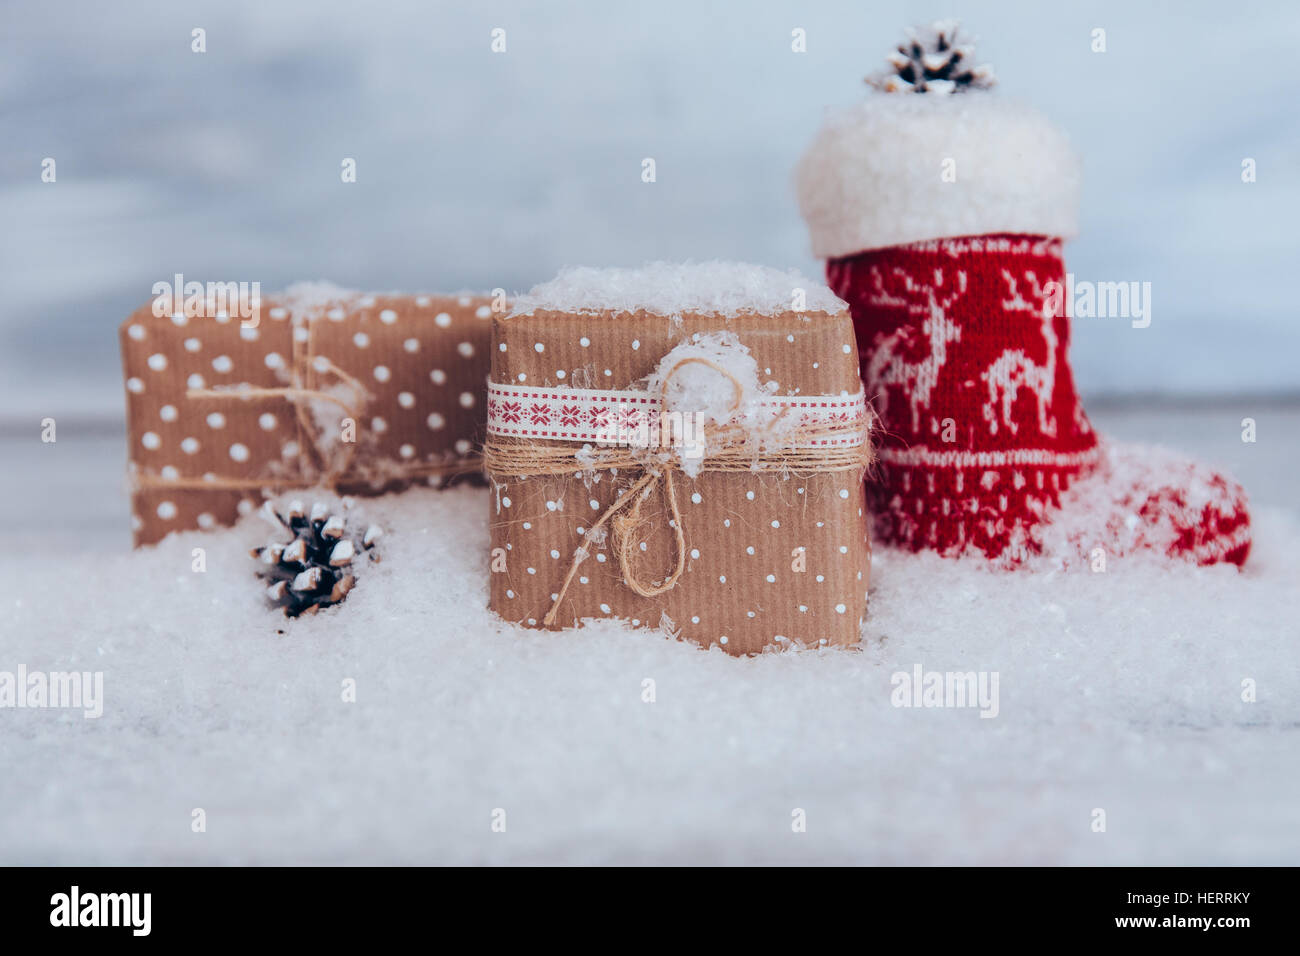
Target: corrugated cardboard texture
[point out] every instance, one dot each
(423, 360)
(743, 587)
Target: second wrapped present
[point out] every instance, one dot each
(680, 446)
(361, 393)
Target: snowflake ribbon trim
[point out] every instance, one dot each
(602, 415)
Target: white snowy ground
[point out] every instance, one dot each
(1120, 691)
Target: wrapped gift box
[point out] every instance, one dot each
(774, 547)
(363, 393)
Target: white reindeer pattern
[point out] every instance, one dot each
(888, 366)
(1014, 369)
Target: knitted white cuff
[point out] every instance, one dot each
(905, 167)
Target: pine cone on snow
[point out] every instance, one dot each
(933, 60)
(314, 569)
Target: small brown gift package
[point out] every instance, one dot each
(771, 554)
(363, 393)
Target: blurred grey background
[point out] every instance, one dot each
(478, 169)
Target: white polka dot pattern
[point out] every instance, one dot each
(569, 414)
(422, 361)
(769, 561)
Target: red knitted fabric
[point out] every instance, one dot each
(981, 427)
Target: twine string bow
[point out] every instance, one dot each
(300, 392)
(317, 462)
(809, 447)
(625, 513)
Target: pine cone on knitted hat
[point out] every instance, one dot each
(934, 60)
(315, 568)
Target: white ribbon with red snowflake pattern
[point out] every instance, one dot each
(602, 415)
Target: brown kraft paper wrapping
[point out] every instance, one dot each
(412, 369)
(741, 587)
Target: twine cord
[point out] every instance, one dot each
(313, 454)
(736, 453)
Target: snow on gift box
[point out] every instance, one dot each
(680, 446)
(362, 393)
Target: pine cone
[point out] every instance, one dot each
(933, 60)
(314, 569)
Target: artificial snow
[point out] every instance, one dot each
(711, 375)
(906, 167)
(336, 402)
(309, 298)
(1122, 691)
(710, 380)
(1102, 508)
(671, 288)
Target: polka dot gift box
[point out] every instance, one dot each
(363, 393)
(680, 446)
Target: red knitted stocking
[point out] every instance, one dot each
(981, 430)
